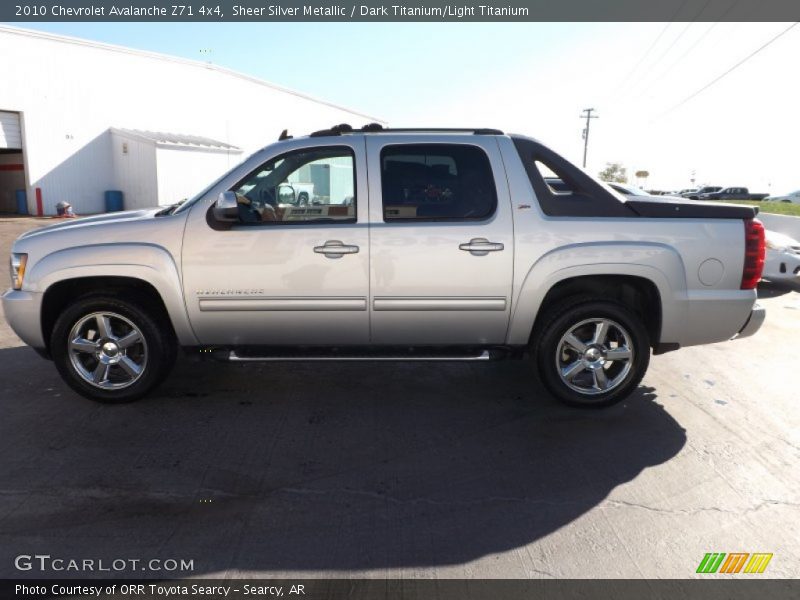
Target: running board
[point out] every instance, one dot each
(234, 357)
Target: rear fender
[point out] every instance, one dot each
(657, 263)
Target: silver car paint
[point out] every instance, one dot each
(668, 252)
(134, 244)
(408, 283)
(424, 288)
(319, 300)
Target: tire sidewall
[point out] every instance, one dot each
(559, 322)
(160, 351)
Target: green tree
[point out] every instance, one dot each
(615, 173)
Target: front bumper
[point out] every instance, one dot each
(754, 323)
(23, 312)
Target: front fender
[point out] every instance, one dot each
(657, 263)
(147, 262)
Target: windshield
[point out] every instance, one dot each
(189, 203)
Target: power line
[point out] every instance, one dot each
(644, 56)
(734, 67)
(672, 45)
(668, 70)
(675, 41)
(653, 45)
(692, 47)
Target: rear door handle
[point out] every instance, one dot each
(335, 249)
(481, 246)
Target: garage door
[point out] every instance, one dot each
(10, 133)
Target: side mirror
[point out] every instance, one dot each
(286, 194)
(226, 208)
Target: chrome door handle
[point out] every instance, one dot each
(335, 249)
(481, 246)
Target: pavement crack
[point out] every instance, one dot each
(543, 573)
(698, 510)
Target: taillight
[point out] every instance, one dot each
(754, 250)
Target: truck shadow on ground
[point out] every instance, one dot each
(301, 467)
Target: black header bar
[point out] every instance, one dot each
(734, 588)
(398, 10)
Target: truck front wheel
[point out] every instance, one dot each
(591, 353)
(111, 350)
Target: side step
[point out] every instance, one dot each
(234, 357)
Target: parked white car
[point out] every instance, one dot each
(793, 197)
(782, 261)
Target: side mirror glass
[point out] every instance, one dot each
(286, 194)
(226, 208)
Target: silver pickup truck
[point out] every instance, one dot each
(428, 245)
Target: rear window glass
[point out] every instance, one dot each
(435, 182)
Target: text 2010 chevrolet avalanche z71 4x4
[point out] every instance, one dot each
(383, 244)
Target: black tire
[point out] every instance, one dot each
(159, 347)
(550, 350)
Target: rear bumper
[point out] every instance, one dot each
(23, 312)
(754, 322)
(708, 317)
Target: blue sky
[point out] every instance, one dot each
(535, 78)
(377, 68)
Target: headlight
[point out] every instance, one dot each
(775, 246)
(18, 262)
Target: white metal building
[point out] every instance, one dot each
(78, 118)
(155, 167)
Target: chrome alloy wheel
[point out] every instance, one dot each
(594, 356)
(107, 350)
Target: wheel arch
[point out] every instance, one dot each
(636, 292)
(63, 292)
(645, 275)
(142, 271)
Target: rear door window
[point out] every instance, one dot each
(436, 182)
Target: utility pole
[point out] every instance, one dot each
(588, 116)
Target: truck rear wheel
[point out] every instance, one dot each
(591, 353)
(111, 350)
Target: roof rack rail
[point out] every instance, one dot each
(335, 130)
(378, 128)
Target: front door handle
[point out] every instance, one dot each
(481, 246)
(335, 249)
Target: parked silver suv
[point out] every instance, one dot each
(407, 245)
